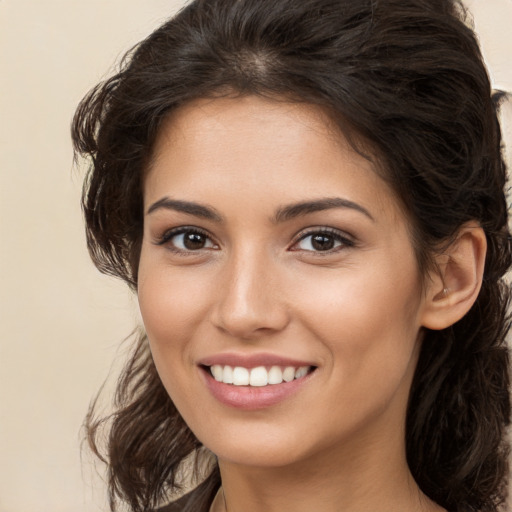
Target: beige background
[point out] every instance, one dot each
(61, 322)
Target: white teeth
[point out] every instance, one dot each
(257, 377)
(217, 372)
(289, 374)
(227, 375)
(275, 375)
(301, 372)
(240, 376)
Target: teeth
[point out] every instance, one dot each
(257, 377)
(227, 375)
(240, 376)
(301, 372)
(289, 374)
(216, 370)
(275, 375)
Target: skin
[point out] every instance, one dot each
(356, 311)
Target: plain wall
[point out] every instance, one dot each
(62, 322)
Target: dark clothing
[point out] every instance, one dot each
(197, 500)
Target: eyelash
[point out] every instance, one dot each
(338, 236)
(169, 235)
(342, 240)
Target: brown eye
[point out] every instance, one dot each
(194, 241)
(187, 240)
(323, 241)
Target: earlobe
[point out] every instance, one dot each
(453, 289)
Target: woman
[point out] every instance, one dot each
(307, 198)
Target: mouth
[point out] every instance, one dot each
(256, 381)
(259, 376)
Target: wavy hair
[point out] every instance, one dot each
(407, 78)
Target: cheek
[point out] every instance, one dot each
(370, 333)
(170, 311)
(172, 304)
(367, 319)
(358, 300)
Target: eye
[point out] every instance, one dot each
(325, 240)
(187, 239)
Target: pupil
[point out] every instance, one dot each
(322, 242)
(193, 241)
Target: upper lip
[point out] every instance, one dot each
(252, 360)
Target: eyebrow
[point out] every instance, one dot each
(196, 209)
(305, 207)
(283, 214)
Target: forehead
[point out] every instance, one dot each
(251, 122)
(234, 145)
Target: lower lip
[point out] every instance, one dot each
(253, 397)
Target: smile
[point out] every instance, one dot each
(259, 376)
(254, 382)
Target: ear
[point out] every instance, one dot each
(454, 287)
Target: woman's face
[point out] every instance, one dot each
(272, 251)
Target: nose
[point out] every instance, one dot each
(250, 301)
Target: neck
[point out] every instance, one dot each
(351, 480)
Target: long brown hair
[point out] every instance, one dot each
(405, 76)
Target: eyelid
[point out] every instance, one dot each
(344, 238)
(170, 233)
